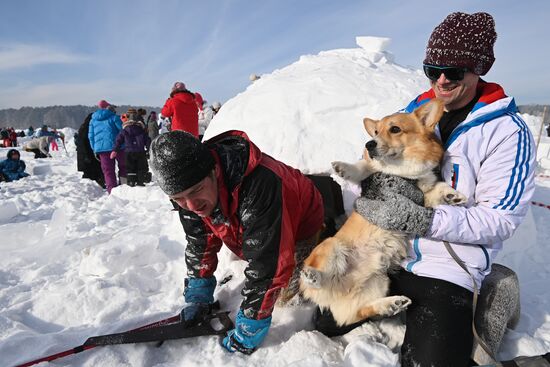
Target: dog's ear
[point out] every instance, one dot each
(370, 126)
(430, 113)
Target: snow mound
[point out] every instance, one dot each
(292, 113)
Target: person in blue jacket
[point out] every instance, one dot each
(13, 168)
(104, 128)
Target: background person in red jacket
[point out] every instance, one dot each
(265, 212)
(183, 108)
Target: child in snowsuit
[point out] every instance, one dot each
(13, 168)
(136, 141)
(102, 132)
(53, 144)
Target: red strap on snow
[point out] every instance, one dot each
(540, 204)
(57, 355)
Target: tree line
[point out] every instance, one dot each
(53, 116)
(73, 116)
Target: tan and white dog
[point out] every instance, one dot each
(347, 273)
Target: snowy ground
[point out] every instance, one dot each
(76, 262)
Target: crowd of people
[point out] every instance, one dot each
(42, 140)
(8, 137)
(107, 142)
(13, 168)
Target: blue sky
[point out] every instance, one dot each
(64, 52)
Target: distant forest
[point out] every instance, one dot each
(73, 116)
(54, 116)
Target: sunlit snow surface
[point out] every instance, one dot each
(76, 262)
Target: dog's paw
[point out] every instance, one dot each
(347, 171)
(311, 277)
(443, 194)
(454, 198)
(396, 304)
(341, 168)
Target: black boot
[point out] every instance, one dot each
(132, 179)
(148, 177)
(324, 322)
(141, 178)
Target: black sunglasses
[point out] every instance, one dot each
(452, 73)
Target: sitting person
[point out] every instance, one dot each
(490, 158)
(13, 168)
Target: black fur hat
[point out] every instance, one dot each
(179, 161)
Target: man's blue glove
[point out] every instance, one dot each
(199, 294)
(247, 335)
(395, 204)
(195, 312)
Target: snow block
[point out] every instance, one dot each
(375, 49)
(498, 308)
(8, 210)
(41, 169)
(373, 44)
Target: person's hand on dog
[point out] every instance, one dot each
(394, 203)
(372, 187)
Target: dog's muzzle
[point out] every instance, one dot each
(371, 148)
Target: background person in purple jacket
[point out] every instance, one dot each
(135, 139)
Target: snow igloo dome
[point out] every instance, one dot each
(311, 112)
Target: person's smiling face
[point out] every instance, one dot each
(455, 94)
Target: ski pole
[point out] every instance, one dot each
(64, 147)
(84, 347)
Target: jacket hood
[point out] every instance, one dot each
(11, 152)
(184, 96)
(491, 104)
(237, 155)
(488, 92)
(133, 123)
(101, 115)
